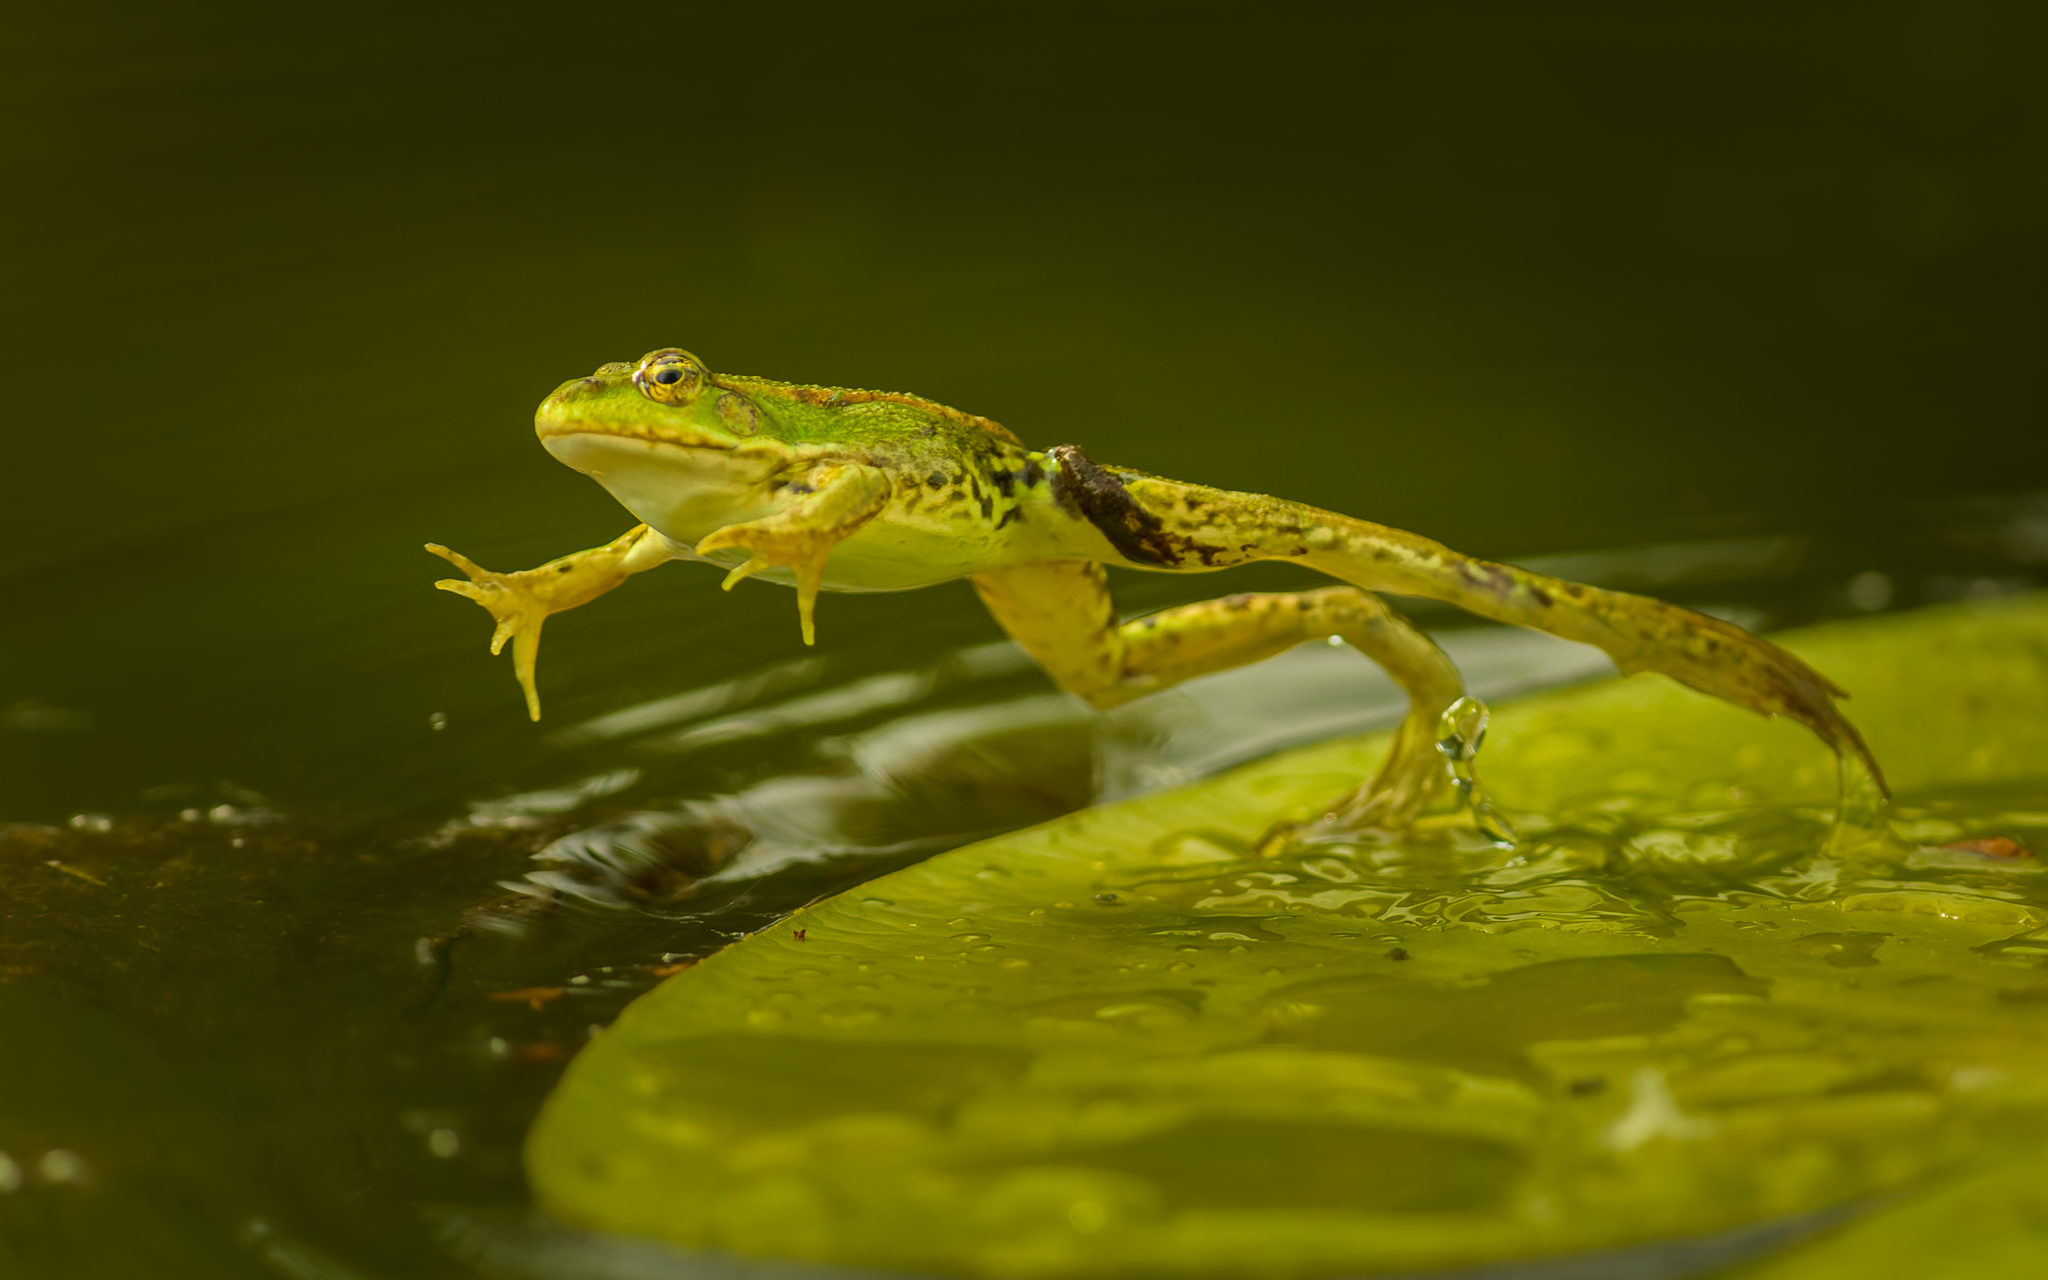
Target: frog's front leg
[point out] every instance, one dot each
(522, 601)
(833, 503)
(1061, 613)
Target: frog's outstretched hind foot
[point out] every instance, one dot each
(518, 609)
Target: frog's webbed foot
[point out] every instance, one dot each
(839, 501)
(1722, 659)
(522, 601)
(802, 551)
(517, 607)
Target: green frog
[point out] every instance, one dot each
(834, 489)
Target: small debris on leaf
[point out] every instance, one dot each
(1992, 847)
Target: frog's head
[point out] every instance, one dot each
(666, 398)
(662, 434)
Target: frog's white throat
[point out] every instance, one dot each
(683, 493)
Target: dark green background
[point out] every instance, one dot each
(283, 285)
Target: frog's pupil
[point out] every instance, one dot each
(668, 375)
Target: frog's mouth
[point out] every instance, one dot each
(685, 489)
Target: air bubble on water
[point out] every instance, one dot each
(1460, 733)
(61, 1166)
(437, 721)
(444, 1144)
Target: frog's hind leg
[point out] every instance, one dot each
(1063, 616)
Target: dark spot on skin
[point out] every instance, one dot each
(564, 568)
(1398, 953)
(799, 488)
(1100, 497)
(927, 430)
(1014, 513)
(800, 934)
(988, 506)
(1541, 596)
(1495, 579)
(1585, 1086)
(1006, 482)
(1033, 473)
(936, 479)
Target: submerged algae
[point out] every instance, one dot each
(1119, 1045)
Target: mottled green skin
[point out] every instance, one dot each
(846, 490)
(964, 494)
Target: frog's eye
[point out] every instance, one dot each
(669, 377)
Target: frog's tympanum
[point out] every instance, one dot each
(832, 489)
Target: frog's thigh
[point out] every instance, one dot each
(1062, 615)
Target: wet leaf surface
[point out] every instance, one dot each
(1116, 1044)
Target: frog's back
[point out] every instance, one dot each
(857, 416)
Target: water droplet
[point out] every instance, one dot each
(970, 937)
(1460, 734)
(1862, 816)
(1013, 963)
(437, 721)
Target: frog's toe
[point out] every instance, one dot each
(476, 591)
(475, 571)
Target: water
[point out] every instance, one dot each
(1460, 734)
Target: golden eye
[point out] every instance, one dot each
(669, 377)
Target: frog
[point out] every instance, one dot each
(837, 489)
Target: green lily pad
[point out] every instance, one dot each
(1116, 1045)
